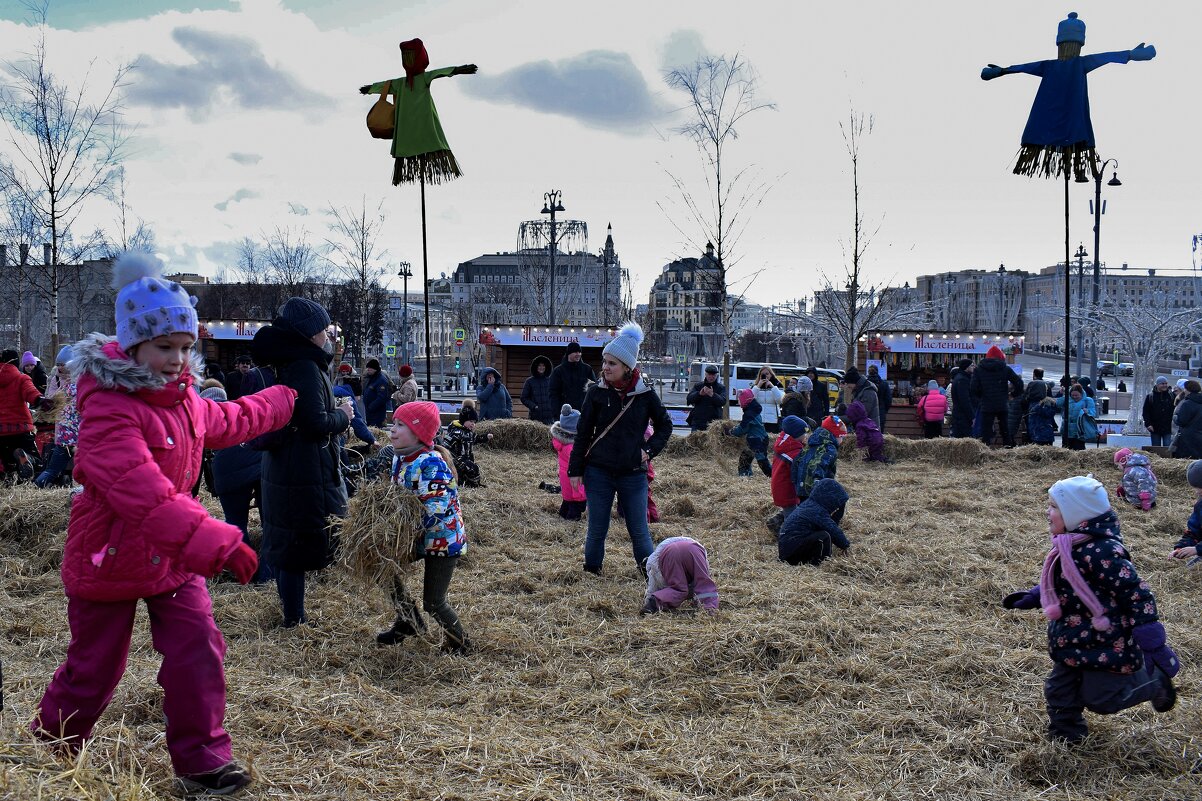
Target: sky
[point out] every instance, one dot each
(247, 118)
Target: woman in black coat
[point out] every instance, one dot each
(1188, 417)
(302, 483)
(611, 452)
(820, 400)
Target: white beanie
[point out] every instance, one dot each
(625, 346)
(1079, 498)
(804, 384)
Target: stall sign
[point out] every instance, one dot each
(229, 329)
(535, 336)
(920, 343)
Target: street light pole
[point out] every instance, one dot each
(552, 204)
(1097, 244)
(405, 273)
(1080, 254)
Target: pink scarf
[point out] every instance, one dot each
(1062, 551)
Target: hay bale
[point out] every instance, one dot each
(376, 540)
(712, 442)
(514, 435)
(34, 524)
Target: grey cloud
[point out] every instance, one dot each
(228, 66)
(682, 48)
(600, 88)
(241, 194)
(246, 158)
(298, 209)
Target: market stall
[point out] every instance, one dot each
(510, 350)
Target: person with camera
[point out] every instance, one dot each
(707, 398)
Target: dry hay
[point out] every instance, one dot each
(516, 434)
(713, 442)
(376, 540)
(888, 673)
(33, 526)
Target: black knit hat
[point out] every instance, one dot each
(573, 347)
(851, 376)
(468, 413)
(373, 364)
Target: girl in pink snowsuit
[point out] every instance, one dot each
(136, 533)
(677, 570)
(563, 439)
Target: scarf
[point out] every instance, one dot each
(1062, 552)
(624, 385)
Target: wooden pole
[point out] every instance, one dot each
(1068, 328)
(426, 286)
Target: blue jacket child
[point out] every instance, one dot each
(810, 530)
(752, 427)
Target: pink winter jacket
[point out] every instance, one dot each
(932, 406)
(135, 529)
(563, 442)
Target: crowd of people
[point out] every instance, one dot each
(137, 412)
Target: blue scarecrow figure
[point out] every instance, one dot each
(1059, 136)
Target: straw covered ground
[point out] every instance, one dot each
(890, 673)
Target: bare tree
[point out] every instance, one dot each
(844, 316)
(1148, 331)
(130, 232)
(65, 148)
(289, 260)
(352, 250)
(721, 94)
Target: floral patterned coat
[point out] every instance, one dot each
(1128, 601)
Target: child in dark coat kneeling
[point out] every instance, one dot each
(812, 528)
(1107, 645)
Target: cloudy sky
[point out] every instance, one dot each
(247, 118)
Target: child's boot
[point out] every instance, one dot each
(406, 625)
(456, 641)
(229, 779)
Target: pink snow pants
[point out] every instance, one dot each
(192, 674)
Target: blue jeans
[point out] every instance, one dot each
(60, 457)
(600, 487)
(1161, 439)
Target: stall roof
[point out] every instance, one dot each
(541, 336)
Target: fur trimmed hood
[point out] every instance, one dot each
(100, 357)
(562, 435)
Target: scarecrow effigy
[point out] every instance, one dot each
(1059, 139)
(1059, 135)
(419, 146)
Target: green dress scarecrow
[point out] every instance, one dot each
(419, 145)
(1059, 136)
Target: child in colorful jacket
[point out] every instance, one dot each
(678, 570)
(813, 527)
(787, 450)
(563, 439)
(821, 457)
(61, 389)
(752, 427)
(1107, 645)
(868, 433)
(419, 466)
(1187, 546)
(1138, 487)
(136, 533)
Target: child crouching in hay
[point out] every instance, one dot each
(1107, 645)
(1138, 486)
(813, 527)
(868, 433)
(461, 442)
(422, 468)
(1187, 547)
(677, 570)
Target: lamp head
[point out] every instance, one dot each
(1114, 180)
(545, 209)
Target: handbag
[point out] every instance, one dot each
(381, 117)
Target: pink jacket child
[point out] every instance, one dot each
(563, 439)
(677, 570)
(136, 533)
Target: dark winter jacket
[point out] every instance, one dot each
(1041, 421)
(884, 395)
(1158, 412)
(989, 382)
(706, 408)
(1192, 537)
(820, 403)
(1035, 391)
(569, 382)
(794, 404)
(302, 482)
(493, 401)
(1188, 442)
(819, 461)
(621, 450)
(258, 379)
(868, 434)
(236, 468)
(376, 391)
(865, 393)
(752, 424)
(1127, 600)
(964, 407)
(233, 384)
(38, 376)
(818, 512)
(536, 392)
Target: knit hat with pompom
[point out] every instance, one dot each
(148, 306)
(625, 346)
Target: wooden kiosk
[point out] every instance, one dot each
(908, 360)
(510, 350)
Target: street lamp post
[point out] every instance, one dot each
(405, 273)
(552, 204)
(1097, 244)
(1080, 256)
